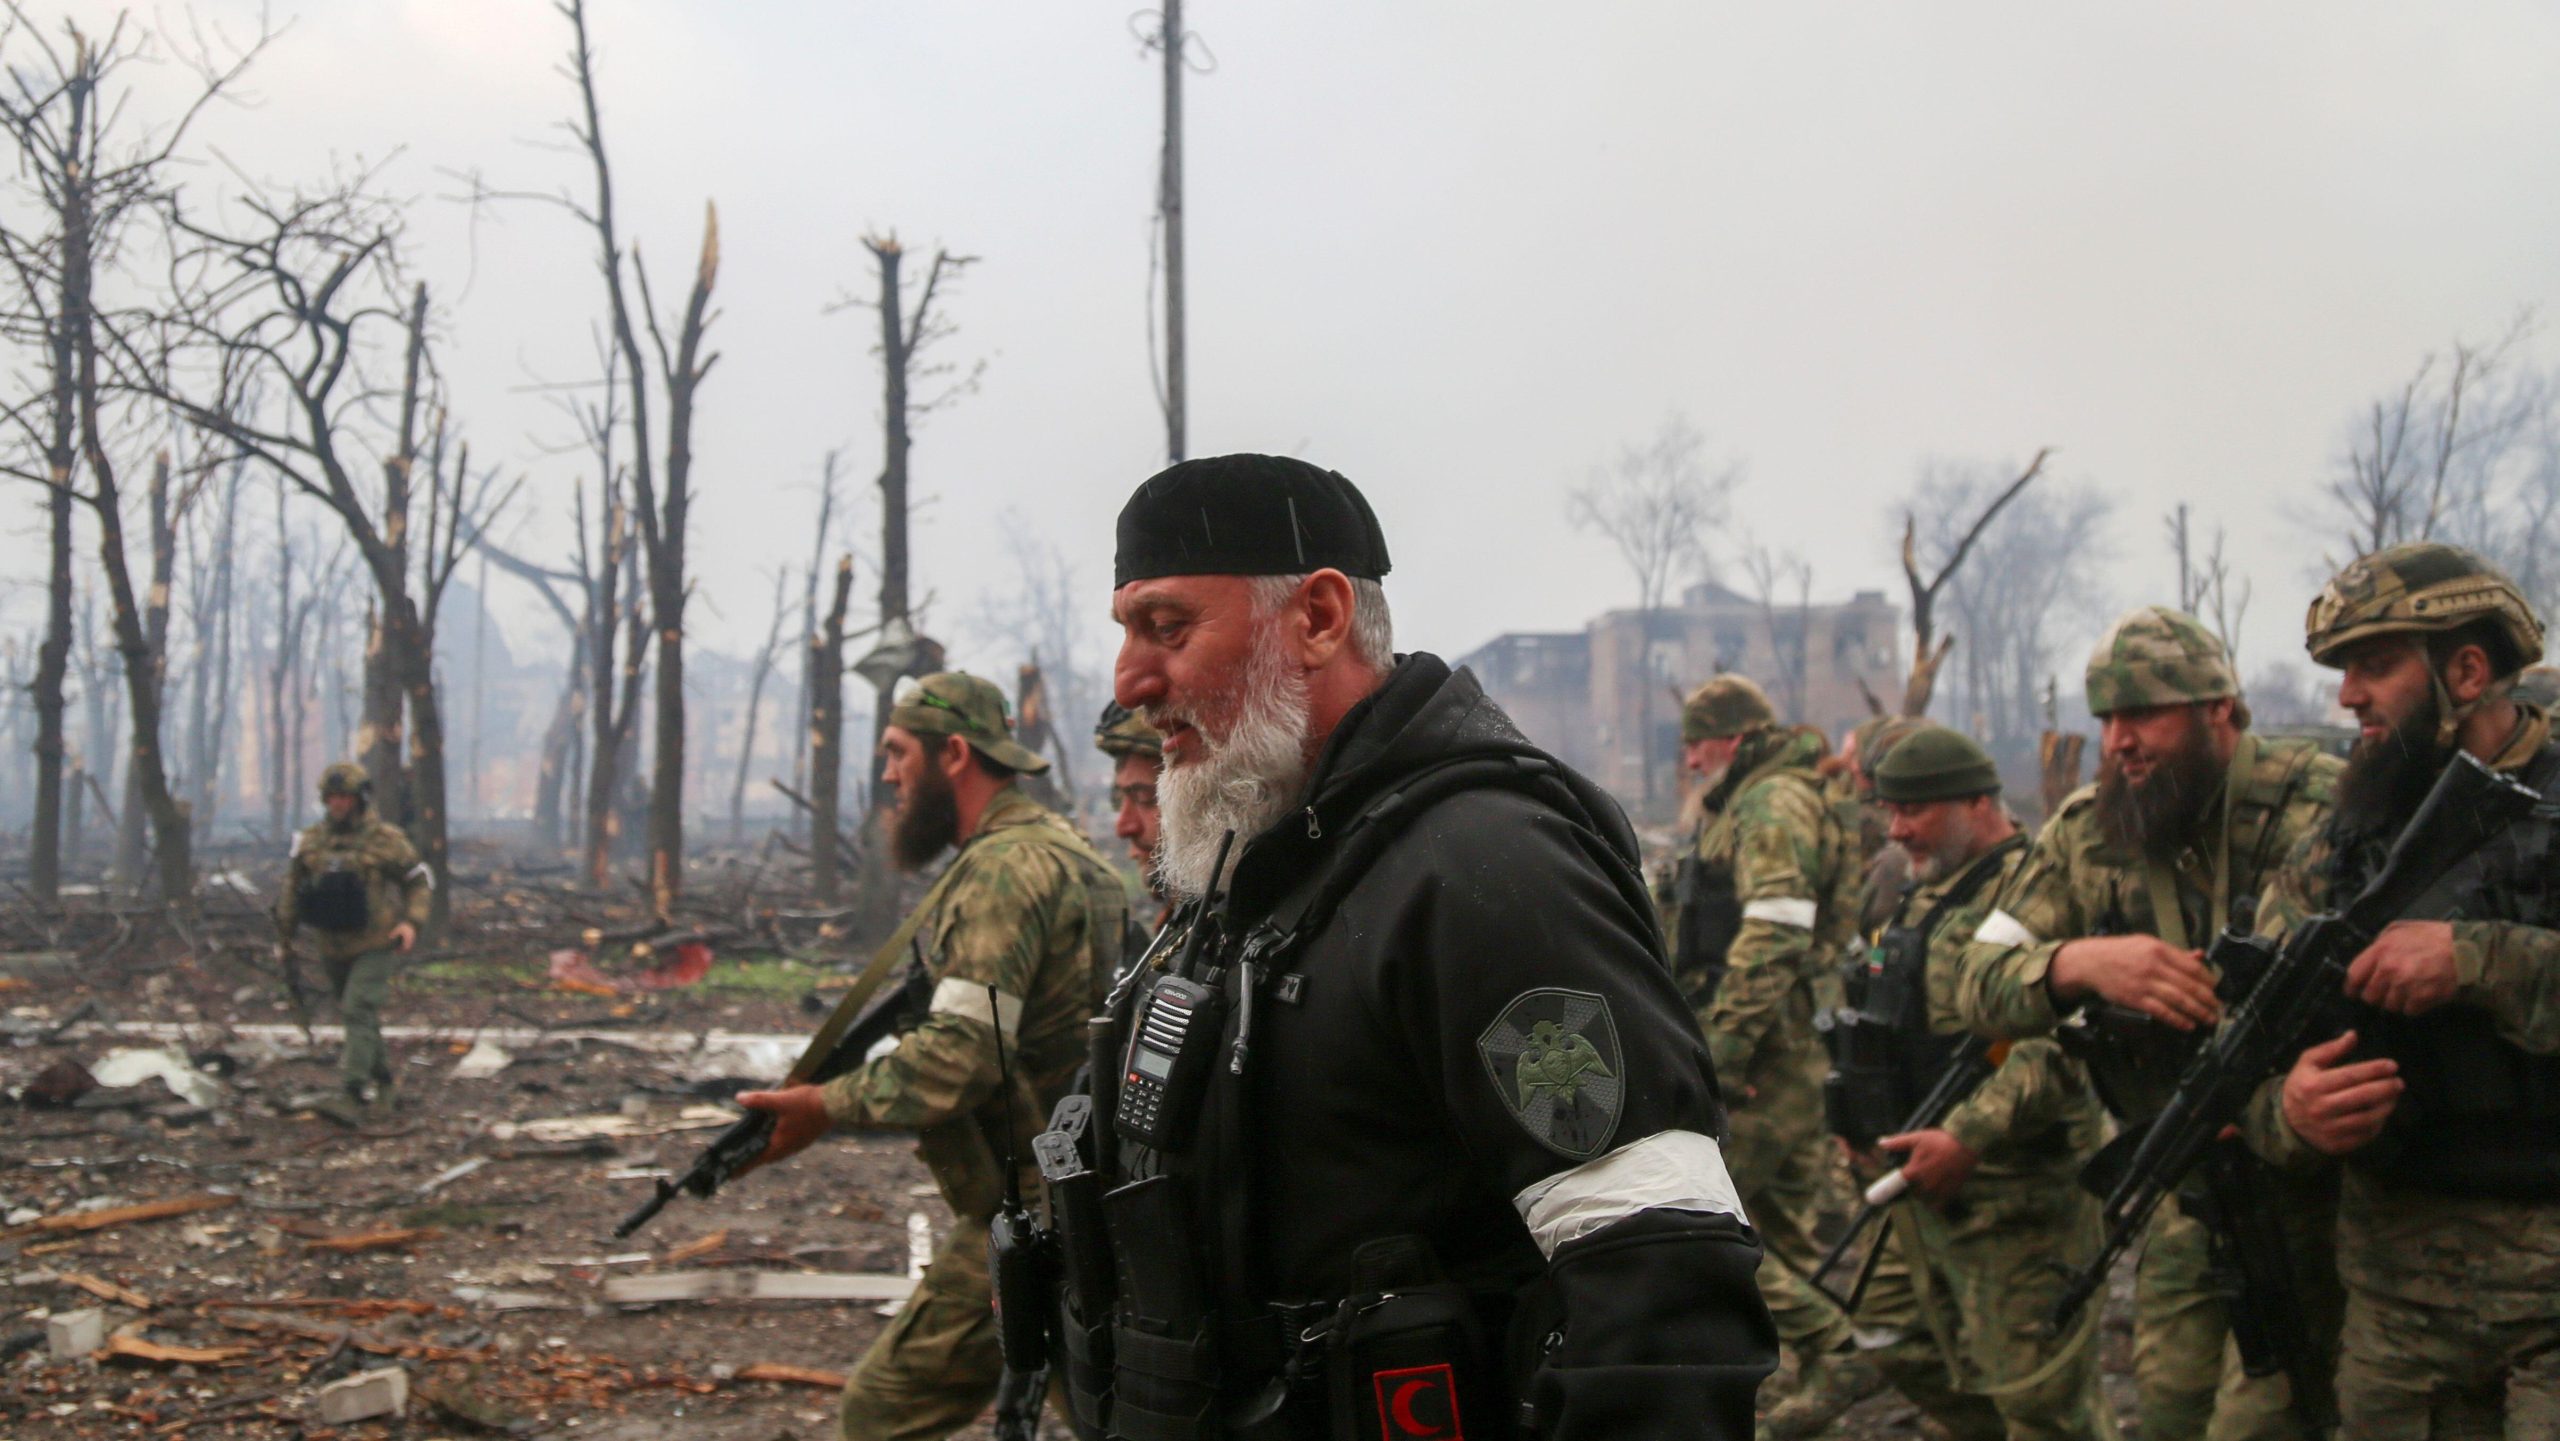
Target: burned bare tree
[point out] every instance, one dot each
(1655, 504)
(2412, 453)
(809, 612)
(2205, 582)
(1928, 648)
(762, 670)
(826, 741)
(1787, 623)
(89, 172)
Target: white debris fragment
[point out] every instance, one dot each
(486, 1058)
(134, 1065)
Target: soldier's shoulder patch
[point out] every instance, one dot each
(1554, 1059)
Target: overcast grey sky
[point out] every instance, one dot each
(1462, 251)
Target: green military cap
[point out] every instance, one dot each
(1934, 763)
(2157, 656)
(956, 703)
(1121, 733)
(1726, 706)
(1878, 735)
(2421, 587)
(345, 778)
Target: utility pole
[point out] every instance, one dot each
(1169, 208)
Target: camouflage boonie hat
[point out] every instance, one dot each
(1121, 734)
(345, 778)
(2157, 656)
(1724, 707)
(2419, 588)
(1934, 763)
(956, 703)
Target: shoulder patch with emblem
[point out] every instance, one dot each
(1553, 1058)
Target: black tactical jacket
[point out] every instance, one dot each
(1485, 1050)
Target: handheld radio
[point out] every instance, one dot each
(1017, 1248)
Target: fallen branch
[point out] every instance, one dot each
(793, 1375)
(393, 1239)
(140, 1350)
(121, 1215)
(106, 1290)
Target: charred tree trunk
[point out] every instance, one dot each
(826, 740)
(134, 841)
(755, 705)
(552, 782)
(53, 656)
(896, 354)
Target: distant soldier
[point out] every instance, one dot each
(1994, 1222)
(1761, 919)
(1020, 935)
(1883, 870)
(2444, 1101)
(2189, 819)
(1137, 754)
(355, 880)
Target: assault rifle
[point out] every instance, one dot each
(827, 1058)
(1972, 1064)
(2298, 1002)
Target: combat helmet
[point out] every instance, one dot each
(1122, 733)
(2154, 656)
(1725, 707)
(2424, 588)
(345, 778)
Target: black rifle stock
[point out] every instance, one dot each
(1971, 1065)
(732, 1150)
(2299, 1002)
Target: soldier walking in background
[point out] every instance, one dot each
(1019, 937)
(1137, 755)
(355, 880)
(1762, 913)
(1994, 1222)
(2104, 923)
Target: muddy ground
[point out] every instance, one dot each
(322, 1248)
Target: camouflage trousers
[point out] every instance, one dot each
(936, 1365)
(1780, 1158)
(362, 982)
(2433, 1373)
(1959, 1307)
(2186, 1368)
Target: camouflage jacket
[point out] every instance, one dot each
(2035, 1116)
(1035, 913)
(2499, 1260)
(397, 885)
(2075, 885)
(1794, 869)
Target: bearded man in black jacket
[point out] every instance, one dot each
(1450, 1167)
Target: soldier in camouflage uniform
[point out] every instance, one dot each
(2449, 1124)
(1760, 922)
(1028, 909)
(1994, 1222)
(2129, 879)
(1137, 756)
(355, 880)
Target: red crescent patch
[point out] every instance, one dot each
(1418, 1403)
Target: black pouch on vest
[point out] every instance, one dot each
(1164, 1365)
(333, 901)
(1411, 1366)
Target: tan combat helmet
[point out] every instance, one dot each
(1122, 733)
(345, 778)
(2423, 588)
(956, 703)
(2154, 656)
(1725, 707)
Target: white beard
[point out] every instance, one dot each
(1243, 782)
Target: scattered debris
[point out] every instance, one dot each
(486, 1058)
(103, 1218)
(583, 1128)
(58, 1085)
(793, 1375)
(449, 1175)
(140, 1350)
(465, 1401)
(489, 1299)
(363, 1396)
(757, 1286)
(385, 1240)
(106, 1290)
(699, 1246)
(170, 1067)
(72, 1334)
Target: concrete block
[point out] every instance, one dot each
(363, 1396)
(68, 1334)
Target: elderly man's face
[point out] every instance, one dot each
(1184, 641)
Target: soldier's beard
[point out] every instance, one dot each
(928, 820)
(2388, 776)
(2160, 816)
(1243, 781)
(1954, 848)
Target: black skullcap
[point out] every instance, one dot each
(1247, 515)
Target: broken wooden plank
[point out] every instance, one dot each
(698, 1246)
(106, 1290)
(101, 1219)
(392, 1239)
(350, 1336)
(140, 1350)
(758, 1286)
(793, 1375)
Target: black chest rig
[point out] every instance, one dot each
(1164, 1330)
(2481, 1116)
(332, 895)
(1884, 1056)
(1709, 916)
